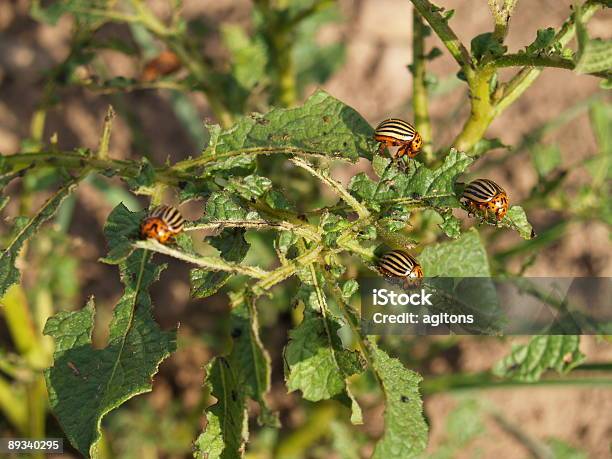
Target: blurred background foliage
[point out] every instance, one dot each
(238, 59)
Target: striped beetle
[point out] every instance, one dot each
(162, 224)
(400, 264)
(398, 133)
(484, 196)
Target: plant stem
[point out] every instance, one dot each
(522, 80)
(486, 380)
(501, 16)
(359, 208)
(300, 230)
(526, 60)
(482, 112)
(440, 25)
(208, 158)
(419, 87)
(209, 263)
(286, 271)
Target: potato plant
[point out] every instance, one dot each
(240, 177)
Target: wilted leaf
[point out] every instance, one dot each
(527, 362)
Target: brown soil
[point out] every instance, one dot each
(375, 81)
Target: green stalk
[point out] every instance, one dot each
(482, 111)
(419, 87)
(13, 406)
(485, 380)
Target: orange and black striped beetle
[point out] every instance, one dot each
(484, 196)
(402, 265)
(398, 133)
(162, 224)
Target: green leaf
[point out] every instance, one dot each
(349, 288)
(249, 187)
(226, 430)
(54, 10)
(545, 158)
(516, 219)
(232, 246)
(323, 125)
(417, 181)
(248, 356)
(451, 225)
(463, 260)
(527, 362)
(317, 364)
(9, 274)
(315, 63)
(485, 45)
(405, 432)
(145, 180)
(562, 450)
(121, 229)
(84, 383)
(544, 38)
(464, 257)
(248, 56)
(333, 226)
(223, 206)
(594, 55)
(484, 145)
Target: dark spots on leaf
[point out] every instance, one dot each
(405, 399)
(183, 184)
(344, 144)
(326, 119)
(263, 121)
(253, 200)
(328, 268)
(236, 333)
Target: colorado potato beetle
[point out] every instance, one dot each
(485, 196)
(164, 64)
(398, 133)
(162, 224)
(400, 264)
